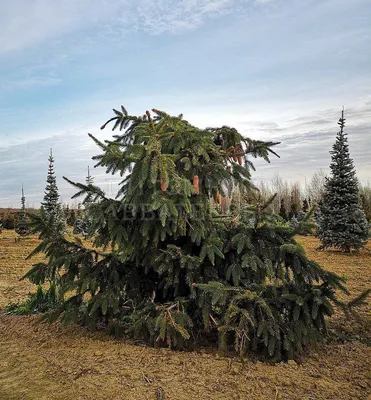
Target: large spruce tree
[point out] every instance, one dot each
(168, 266)
(342, 223)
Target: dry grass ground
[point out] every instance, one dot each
(39, 361)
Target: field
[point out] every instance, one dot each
(41, 361)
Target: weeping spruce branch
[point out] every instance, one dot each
(173, 269)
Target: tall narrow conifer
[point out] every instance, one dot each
(22, 226)
(51, 203)
(342, 222)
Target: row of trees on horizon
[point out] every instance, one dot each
(291, 198)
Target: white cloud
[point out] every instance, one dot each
(25, 23)
(173, 16)
(305, 145)
(281, 73)
(25, 83)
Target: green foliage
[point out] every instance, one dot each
(39, 302)
(8, 221)
(170, 267)
(294, 208)
(305, 205)
(342, 222)
(22, 226)
(51, 206)
(306, 226)
(70, 216)
(82, 225)
(283, 211)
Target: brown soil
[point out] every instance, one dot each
(40, 361)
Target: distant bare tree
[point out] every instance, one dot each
(281, 187)
(296, 196)
(365, 197)
(287, 193)
(315, 190)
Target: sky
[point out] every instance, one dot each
(274, 69)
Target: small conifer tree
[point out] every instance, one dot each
(88, 181)
(22, 226)
(71, 217)
(9, 221)
(305, 206)
(51, 206)
(283, 212)
(82, 224)
(293, 207)
(342, 222)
